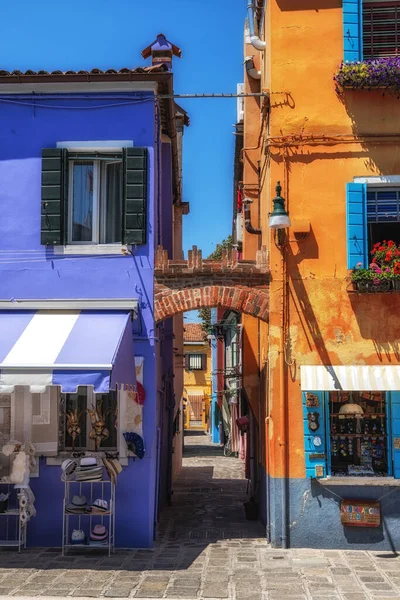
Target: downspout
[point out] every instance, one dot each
(247, 220)
(251, 69)
(283, 408)
(254, 39)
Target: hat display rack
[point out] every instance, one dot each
(17, 501)
(89, 503)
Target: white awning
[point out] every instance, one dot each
(376, 378)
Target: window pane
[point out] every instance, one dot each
(113, 203)
(75, 419)
(82, 201)
(358, 433)
(106, 405)
(195, 362)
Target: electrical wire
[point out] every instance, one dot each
(34, 104)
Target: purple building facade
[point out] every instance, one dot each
(89, 181)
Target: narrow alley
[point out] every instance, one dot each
(207, 503)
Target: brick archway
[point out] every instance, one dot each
(182, 285)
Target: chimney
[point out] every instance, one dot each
(161, 51)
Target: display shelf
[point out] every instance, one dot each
(358, 435)
(13, 528)
(9, 543)
(92, 490)
(353, 415)
(105, 514)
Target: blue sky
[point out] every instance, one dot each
(82, 34)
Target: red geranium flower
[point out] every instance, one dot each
(388, 256)
(390, 243)
(396, 268)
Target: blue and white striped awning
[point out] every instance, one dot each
(66, 348)
(361, 378)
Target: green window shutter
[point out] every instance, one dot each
(134, 224)
(54, 196)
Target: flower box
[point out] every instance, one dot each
(369, 287)
(383, 273)
(381, 73)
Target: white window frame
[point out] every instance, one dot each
(99, 202)
(96, 202)
(89, 446)
(87, 147)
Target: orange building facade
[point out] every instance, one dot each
(323, 377)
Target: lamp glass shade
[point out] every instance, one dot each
(280, 221)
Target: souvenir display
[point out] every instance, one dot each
(358, 440)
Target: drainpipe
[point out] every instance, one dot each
(251, 69)
(283, 409)
(247, 219)
(254, 39)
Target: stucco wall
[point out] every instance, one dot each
(29, 270)
(324, 323)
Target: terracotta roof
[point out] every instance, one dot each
(193, 332)
(42, 73)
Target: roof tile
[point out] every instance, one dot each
(125, 70)
(193, 332)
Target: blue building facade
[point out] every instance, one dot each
(89, 182)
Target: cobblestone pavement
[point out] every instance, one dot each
(205, 550)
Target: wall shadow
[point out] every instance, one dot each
(375, 115)
(371, 312)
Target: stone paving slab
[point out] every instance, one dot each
(206, 550)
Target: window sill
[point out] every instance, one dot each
(360, 481)
(91, 249)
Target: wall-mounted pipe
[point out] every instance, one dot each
(254, 39)
(247, 220)
(251, 69)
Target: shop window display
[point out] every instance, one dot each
(358, 437)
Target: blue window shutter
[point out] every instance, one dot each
(314, 456)
(352, 29)
(395, 413)
(357, 234)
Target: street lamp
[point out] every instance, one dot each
(279, 219)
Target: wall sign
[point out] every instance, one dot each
(312, 401)
(396, 443)
(360, 513)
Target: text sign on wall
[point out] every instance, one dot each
(360, 513)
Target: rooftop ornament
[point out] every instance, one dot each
(381, 73)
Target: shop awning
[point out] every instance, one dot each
(376, 378)
(67, 348)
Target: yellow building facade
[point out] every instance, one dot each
(197, 377)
